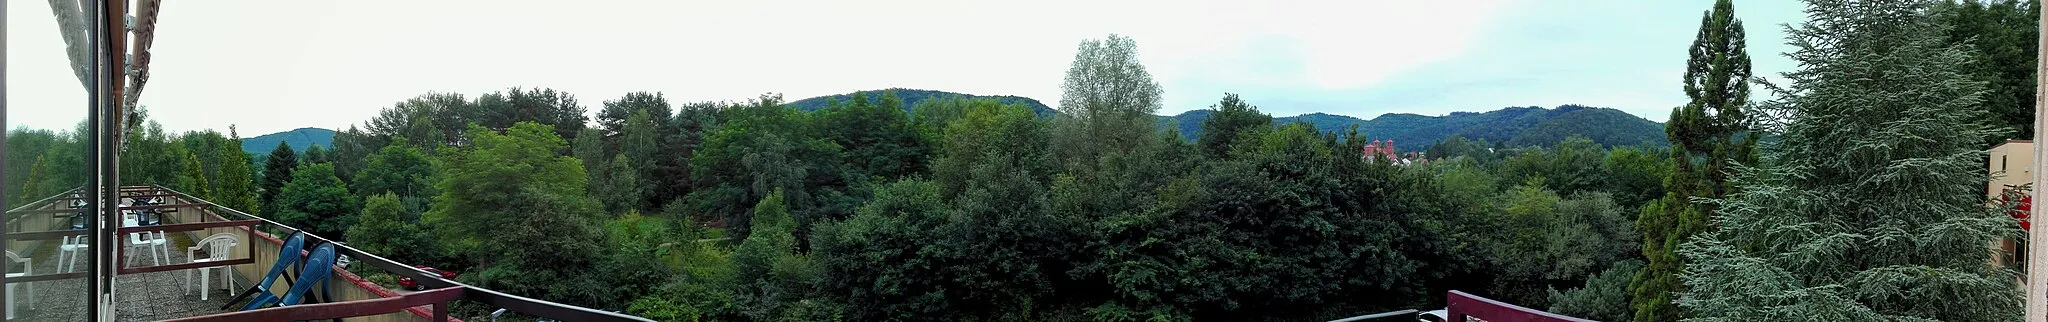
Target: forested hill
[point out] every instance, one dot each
(1513, 126)
(912, 96)
(299, 139)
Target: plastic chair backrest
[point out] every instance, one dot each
(219, 246)
(319, 265)
(285, 258)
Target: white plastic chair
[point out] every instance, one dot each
(219, 247)
(145, 240)
(74, 247)
(27, 267)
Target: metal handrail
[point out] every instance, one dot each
(525, 305)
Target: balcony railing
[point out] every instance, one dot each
(203, 215)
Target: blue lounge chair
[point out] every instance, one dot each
(287, 257)
(319, 265)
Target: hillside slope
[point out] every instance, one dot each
(298, 139)
(912, 96)
(1513, 126)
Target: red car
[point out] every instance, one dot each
(410, 285)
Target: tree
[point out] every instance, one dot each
(384, 230)
(37, 176)
(277, 171)
(1231, 117)
(1704, 146)
(235, 190)
(193, 181)
(352, 150)
(315, 155)
(623, 191)
(1106, 102)
(1604, 298)
(1871, 203)
(877, 138)
(514, 208)
(2003, 34)
(318, 202)
(641, 145)
(399, 169)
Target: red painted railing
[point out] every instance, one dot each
(1467, 307)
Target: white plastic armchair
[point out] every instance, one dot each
(27, 268)
(219, 247)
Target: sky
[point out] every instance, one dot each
(270, 66)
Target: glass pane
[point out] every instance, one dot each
(46, 158)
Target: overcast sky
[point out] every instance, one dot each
(268, 66)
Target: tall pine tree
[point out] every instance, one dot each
(276, 172)
(1704, 145)
(1870, 206)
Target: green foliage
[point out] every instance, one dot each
(763, 147)
(1511, 126)
(1231, 117)
(1604, 298)
(623, 191)
(877, 138)
(1551, 240)
(515, 210)
(314, 155)
(193, 179)
(233, 186)
(1106, 102)
(398, 168)
(2003, 35)
(1871, 205)
(351, 152)
(1709, 137)
(318, 202)
(384, 229)
(914, 100)
(277, 171)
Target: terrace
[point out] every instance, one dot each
(51, 285)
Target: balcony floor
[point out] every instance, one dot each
(141, 297)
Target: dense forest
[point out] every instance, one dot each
(1510, 127)
(878, 206)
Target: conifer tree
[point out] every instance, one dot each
(1870, 207)
(1704, 145)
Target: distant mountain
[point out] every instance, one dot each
(298, 139)
(912, 96)
(1513, 126)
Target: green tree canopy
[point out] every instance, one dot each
(317, 201)
(515, 209)
(1847, 221)
(277, 170)
(1704, 148)
(1232, 116)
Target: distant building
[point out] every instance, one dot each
(1378, 149)
(2011, 167)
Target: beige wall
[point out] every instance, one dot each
(2010, 164)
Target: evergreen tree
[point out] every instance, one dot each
(32, 188)
(1870, 206)
(193, 181)
(277, 170)
(234, 190)
(1704, 146)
